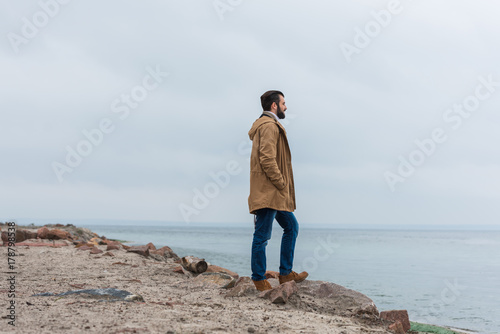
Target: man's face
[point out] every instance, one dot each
(281, 108)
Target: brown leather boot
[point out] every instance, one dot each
(262, 285)
(293, 276)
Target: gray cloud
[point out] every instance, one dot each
(351, 121)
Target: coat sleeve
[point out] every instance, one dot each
(269, 134)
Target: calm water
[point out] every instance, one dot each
(441, 277)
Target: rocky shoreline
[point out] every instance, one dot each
(70, 280)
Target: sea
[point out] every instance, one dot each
(448, 277)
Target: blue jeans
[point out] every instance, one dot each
(263, 228)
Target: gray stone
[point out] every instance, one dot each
(109, 294)
(336, 299)
(215, 279)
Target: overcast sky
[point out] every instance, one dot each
(127, 109)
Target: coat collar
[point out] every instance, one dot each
(270, 114)
(275, 119)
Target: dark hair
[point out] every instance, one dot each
(269, 97)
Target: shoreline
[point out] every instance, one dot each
(99, 271)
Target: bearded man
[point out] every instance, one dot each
(272, 192)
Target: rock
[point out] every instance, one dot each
(272, 274)
(113, 246)
(281, 293)
(96, 241)
(178, 270)
(397, 328)
(84, 248)
(134, 298)
(95, 250)
(166, 252)
(82, 244)
(108, 254)
(243, 280)
(397, 315)
(42, 232)
(221, 280)
(181, 270)
(21, 235)
(336, 299)
(242, 290)
(216, 269)
(43, 244)
(242, 287)
(141, 250)
(30, 234)
(163, 254)
(274, 282)
(82, 233)
(76, 233)
(151, 246)
(4, 237)
(57, 234)
(109, 294)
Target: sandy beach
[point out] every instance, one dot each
(164, 297)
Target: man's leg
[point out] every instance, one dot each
(263, 227)
(290, 231)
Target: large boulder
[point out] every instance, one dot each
(395, 316)
(332, 298)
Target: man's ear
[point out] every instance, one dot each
(275, 105)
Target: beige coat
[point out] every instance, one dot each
(271, 175)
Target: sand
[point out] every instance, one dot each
(172, 304)
(165, 301)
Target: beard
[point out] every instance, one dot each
(281, 113)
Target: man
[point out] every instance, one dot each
(272, 193)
